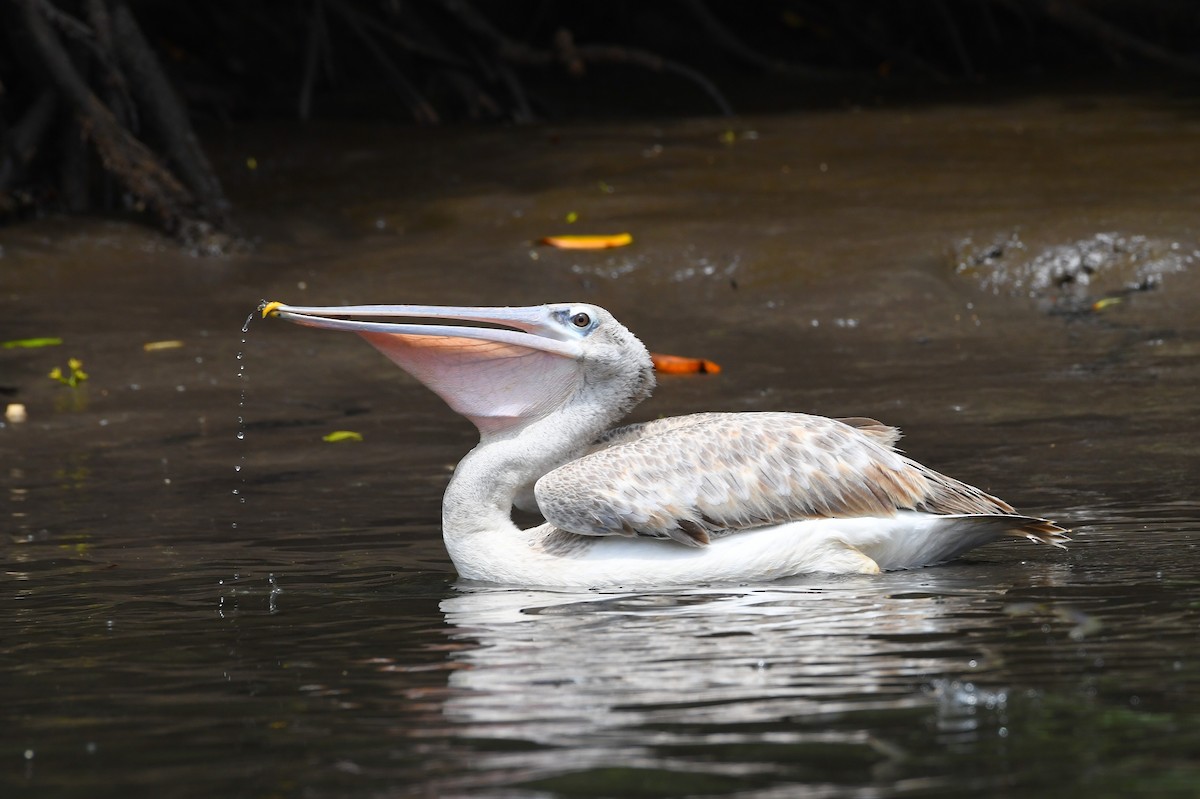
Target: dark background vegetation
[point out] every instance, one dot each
(100, 100)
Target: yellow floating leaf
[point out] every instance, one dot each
(155, 346)
(342, 435)
(49, 341)
(588, 242)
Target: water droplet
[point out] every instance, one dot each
(241, 423)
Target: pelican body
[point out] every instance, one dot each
(686, 500)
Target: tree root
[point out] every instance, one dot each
(732, 43)
(573, 57)
(180, 188)
(1075, 17)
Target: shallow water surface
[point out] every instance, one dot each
(179, 627)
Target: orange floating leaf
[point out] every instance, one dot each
(588, 242)
(679, 365)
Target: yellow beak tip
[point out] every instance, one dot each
(270, 308)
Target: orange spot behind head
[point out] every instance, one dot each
(679, 365)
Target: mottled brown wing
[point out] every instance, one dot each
(689, 477)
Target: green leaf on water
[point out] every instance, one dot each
(30, 343)
(342, 435)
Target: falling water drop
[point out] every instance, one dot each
(241, 419)
(275, 592)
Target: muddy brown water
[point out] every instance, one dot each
(162, 637)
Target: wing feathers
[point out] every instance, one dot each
(689, 478)
(885, 435)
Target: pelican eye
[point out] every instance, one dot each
(581, 320)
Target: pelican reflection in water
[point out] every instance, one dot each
(686, 500)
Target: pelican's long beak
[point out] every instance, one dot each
(498, 377)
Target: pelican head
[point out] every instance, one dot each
(502, 368)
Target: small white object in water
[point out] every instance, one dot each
(15, 413)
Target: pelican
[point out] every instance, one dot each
(685, 500)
